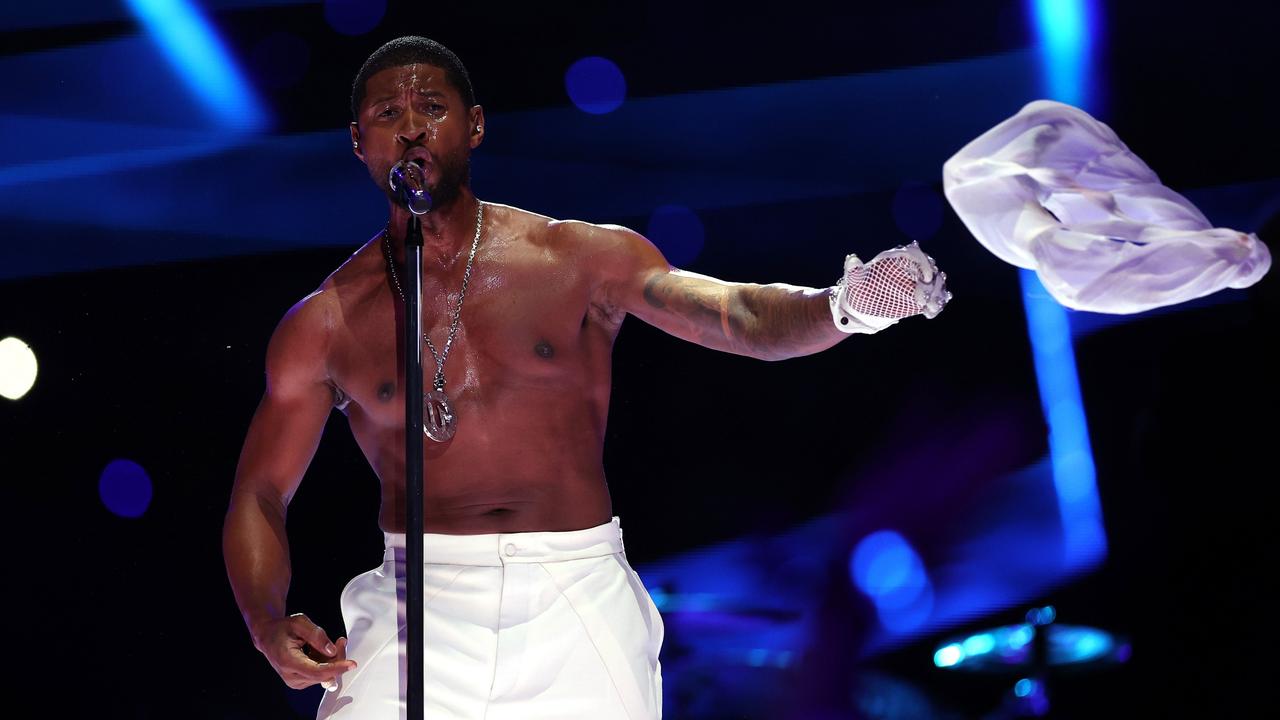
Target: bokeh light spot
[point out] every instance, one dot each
(979, 644)
(18, 368)
(1042, 615)
(595, 85)
(905, 617)
(884, 563)
(948, 655)
(678, 233)
(125, 488)
(354, 17)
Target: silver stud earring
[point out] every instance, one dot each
(355, 144)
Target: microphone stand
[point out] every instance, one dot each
(415, 660)
(408, 183)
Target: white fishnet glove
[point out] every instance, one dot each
(897, 283)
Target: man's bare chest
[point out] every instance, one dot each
(523, 322)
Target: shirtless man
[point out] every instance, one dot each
(528, 375)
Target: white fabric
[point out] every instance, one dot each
(1053, 190)
(519, 626)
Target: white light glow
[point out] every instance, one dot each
(17, 368)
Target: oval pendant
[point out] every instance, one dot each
(438, 419)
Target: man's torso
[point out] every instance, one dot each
(528, 374)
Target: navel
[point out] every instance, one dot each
(544, 350)
(386, 391)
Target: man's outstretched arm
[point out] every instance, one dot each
(281, 441)
(769, 322)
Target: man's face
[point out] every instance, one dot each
(413, 113)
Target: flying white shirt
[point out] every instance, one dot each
(1053, 190)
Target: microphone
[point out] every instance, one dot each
(409, 186)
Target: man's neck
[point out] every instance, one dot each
(447, 231)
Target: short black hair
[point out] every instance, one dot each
(409, 50)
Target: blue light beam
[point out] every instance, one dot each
(1065, 29)
(190, 44)
(1071, 454)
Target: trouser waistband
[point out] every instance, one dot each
(496, 549)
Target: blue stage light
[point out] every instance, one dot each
(125, 488)
(678, 233)
(1042, 615)
(1065, 31)
(883, 563)
(1123, 653)
(949, 655)
(595, 85)
(1074, 644)
(888, 570)
(195, 51)
(1074, 474)
(1020, 636)
(1003, 648)
(899, 617)
(979, 644)
(1025, 687)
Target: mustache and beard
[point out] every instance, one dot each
(454, 173)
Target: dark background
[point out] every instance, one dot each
(151, 349)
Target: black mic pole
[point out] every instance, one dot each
(415, 696)
(407, 181)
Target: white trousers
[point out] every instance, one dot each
(517, 626)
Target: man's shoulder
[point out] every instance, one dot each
(317, 312)
(590, 234)
(299, 344)
(604, 246)
(340, 291)
(356, 269)
(526, 225)
(309, 318)
(544, 229)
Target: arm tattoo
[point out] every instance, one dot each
(788, 320)
(651, 292)
(702, 312)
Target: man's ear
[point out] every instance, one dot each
(355, 142)
(477, 126)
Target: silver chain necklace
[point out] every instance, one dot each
(439, 420)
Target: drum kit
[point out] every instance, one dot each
(1032, 651)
